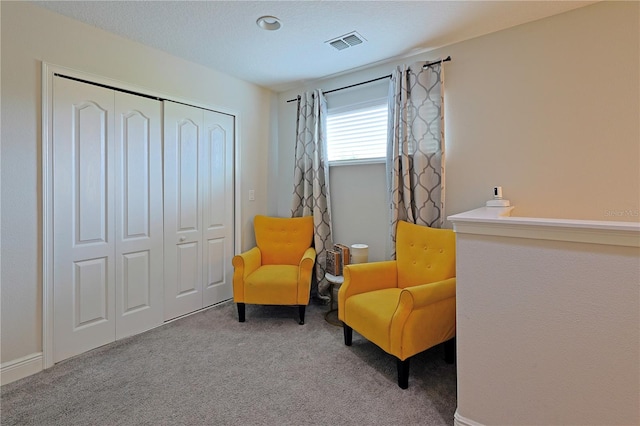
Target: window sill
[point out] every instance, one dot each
(357, 162)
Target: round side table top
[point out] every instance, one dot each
(334, 279)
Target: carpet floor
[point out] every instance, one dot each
(209, 369)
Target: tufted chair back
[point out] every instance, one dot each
(283, 241)
(424, 254)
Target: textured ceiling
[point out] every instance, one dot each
(223, 35)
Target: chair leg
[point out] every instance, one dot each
(450, 351)
(403, 373)
(348, 334)
(301, 309)
(240, 312)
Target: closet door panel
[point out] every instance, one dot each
(136, 284)
(90, 292)
(182, 208)
(188, 269)
(187, 150)
(83, 206)
(139, 219)
(134, 147)
(218, 206)
(216, 255)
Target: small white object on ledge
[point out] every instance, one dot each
(497, 199)
(498, 203)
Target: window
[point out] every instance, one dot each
(357, 133)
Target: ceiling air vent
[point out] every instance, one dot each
(347, 40)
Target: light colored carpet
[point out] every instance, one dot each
(209, 369)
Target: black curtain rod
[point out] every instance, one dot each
(447, 59)
(428, 64)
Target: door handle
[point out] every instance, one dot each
(183, 238)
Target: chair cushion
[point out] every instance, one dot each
(424, 255)
(370, 314)
(272, 285)
(283, 241)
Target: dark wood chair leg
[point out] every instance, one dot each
(240, 312)
(301, 309)
(403, 373)
(450, 351)
(348, 334)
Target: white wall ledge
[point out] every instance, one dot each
(497, 221)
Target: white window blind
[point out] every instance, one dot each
(357, 133)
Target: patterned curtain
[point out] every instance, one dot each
(415, 155)
(311, 179)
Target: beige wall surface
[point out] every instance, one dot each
(548, 110)
(31, 35)
(548, 332)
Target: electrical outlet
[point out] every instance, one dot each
(252, 195)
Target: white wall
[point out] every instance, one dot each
(548, 332)
(361, 204)
(548, 110)
(31, 35)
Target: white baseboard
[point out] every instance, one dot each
(21, 367)
(459, 420)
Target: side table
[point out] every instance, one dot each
(335, 281)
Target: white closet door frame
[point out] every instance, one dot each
(48, 71)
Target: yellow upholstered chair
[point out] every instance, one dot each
(278, 271)
(407, 305)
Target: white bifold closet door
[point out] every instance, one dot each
(198, 208)
(108, 220)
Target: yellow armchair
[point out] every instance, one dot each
(408, 305)
(279, 269)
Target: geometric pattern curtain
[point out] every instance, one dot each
(415, 151)
(311, 179)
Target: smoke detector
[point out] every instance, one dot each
(346, 41)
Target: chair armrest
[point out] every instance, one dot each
(308, 258)
(426, 294)
(425, 316)
(364, 277)
(248, 261)
(305, 273)
(243, 265)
